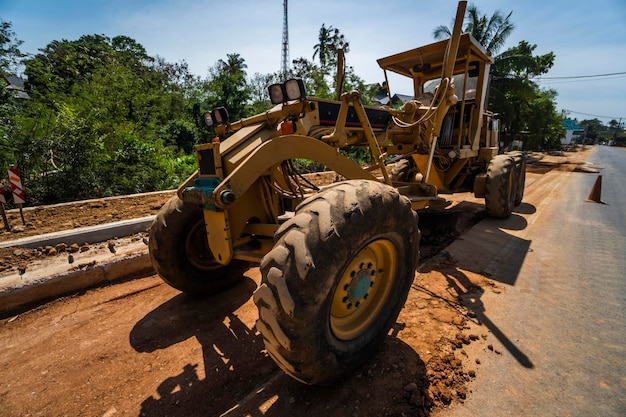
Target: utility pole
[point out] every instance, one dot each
(284, 67)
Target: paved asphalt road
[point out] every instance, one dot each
(560, 321)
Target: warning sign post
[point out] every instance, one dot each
(18, 190)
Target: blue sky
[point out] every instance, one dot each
(588, 38)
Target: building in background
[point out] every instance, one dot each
(572, 131)
(16, 86)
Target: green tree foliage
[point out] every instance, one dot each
(597, 132)
(543, 122)
(228, 86)
(8, 109)
(313, 77)
(523, 106)
(329, 41)
(259, 96)
(10, 58)
(320, 79)
(353, 82)
(614, 124)
(491, 32)
(10, 54)
(593, 128)
(519, 62)
(105, 118)
(615, 134)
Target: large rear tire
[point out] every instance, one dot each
(500, 186)
(520, 174)
(180, 253)
(336, 279)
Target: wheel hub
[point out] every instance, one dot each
(359, 287)
(363, 289)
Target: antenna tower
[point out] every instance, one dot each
(284, 67)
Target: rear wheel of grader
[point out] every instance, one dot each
(336, 279)
(404, 171)
(520, 174)
(180, 253)
(500, 186)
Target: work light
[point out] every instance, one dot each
(294, 89)
(219, 115)
(276, 93)
(290, 90)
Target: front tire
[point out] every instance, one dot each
(180, 253)
(336, 279)
(500, 186)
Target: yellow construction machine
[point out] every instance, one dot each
(337, 261)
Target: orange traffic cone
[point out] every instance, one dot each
(594, 195)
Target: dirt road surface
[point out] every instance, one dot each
(560, 323)
(141, 348)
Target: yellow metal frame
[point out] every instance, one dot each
(249, 158)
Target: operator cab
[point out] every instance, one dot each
(424, 66)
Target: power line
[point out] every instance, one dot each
(581, 76)
(576, 80)
(594, 115)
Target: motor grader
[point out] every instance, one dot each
(337, 261)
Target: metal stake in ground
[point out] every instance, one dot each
(4, 214)
(18, 191)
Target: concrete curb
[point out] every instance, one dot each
(92, 234)
(19, 299)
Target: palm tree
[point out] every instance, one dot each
(489, 32)
(321, 49)
(330, 40)
(235, 64)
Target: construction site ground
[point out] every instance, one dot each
(139, 347)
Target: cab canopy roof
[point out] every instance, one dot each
(427, 61)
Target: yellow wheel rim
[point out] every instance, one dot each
(364, 288)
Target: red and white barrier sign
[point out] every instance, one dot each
(16, 186)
